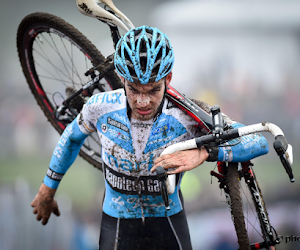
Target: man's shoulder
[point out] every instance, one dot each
(172, 110)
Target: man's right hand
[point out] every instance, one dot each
(44, 204)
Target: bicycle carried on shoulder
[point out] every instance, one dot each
(63, 69)
(230, 177)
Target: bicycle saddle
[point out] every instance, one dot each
(92, 9)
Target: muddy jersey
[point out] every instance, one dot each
(131, 190)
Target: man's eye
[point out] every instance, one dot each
(155, 90)
(133, 90)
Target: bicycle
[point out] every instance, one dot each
(63, 69)
(230, 176)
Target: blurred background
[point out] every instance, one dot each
(242, 55)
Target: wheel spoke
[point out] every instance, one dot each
(73, 69)
(66, 65)
(54, 57)
(47, 59)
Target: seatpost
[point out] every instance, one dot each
(114, 32)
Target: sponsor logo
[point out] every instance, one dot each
(161, 129)
(53, 175)
(168, 138)
(141, 125)
(147, 185)
(261, 210)
(121, 118)
(104, 127)
(117, 124)
(93, 99)
(119, 135)
(62, 141)
(112, 98)
(127, 165)
(85, 8)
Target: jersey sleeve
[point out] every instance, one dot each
(64, 154)
(244, 148)
(87, 119)
(70, 142)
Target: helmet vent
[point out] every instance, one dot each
(137, 32)
(143, 55)
(159, 54)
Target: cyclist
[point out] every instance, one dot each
(135, 125)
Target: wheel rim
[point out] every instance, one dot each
(55, 62)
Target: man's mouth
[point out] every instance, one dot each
(144, 112)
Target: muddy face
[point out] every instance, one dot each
(144, 99)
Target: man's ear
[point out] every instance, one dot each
(122, 79)
(168, 78)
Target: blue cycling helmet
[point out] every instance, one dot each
(144, 54)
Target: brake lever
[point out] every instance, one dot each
(283, 149)
(162, 177)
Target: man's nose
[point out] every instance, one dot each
(143, 100)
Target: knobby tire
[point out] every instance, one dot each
(31, 33)
(236, 207)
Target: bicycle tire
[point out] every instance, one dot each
(35, 32)
(236, 207)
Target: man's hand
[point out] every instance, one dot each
(182, 160)
(44, 204)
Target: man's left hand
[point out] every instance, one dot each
(182, 160)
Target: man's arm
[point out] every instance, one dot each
(243, 149)
(63, 156)
(238, 150)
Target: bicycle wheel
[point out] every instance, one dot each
(248, 210)
(54, 57)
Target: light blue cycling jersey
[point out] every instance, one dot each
(131, 190)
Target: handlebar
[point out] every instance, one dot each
(218, 136)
